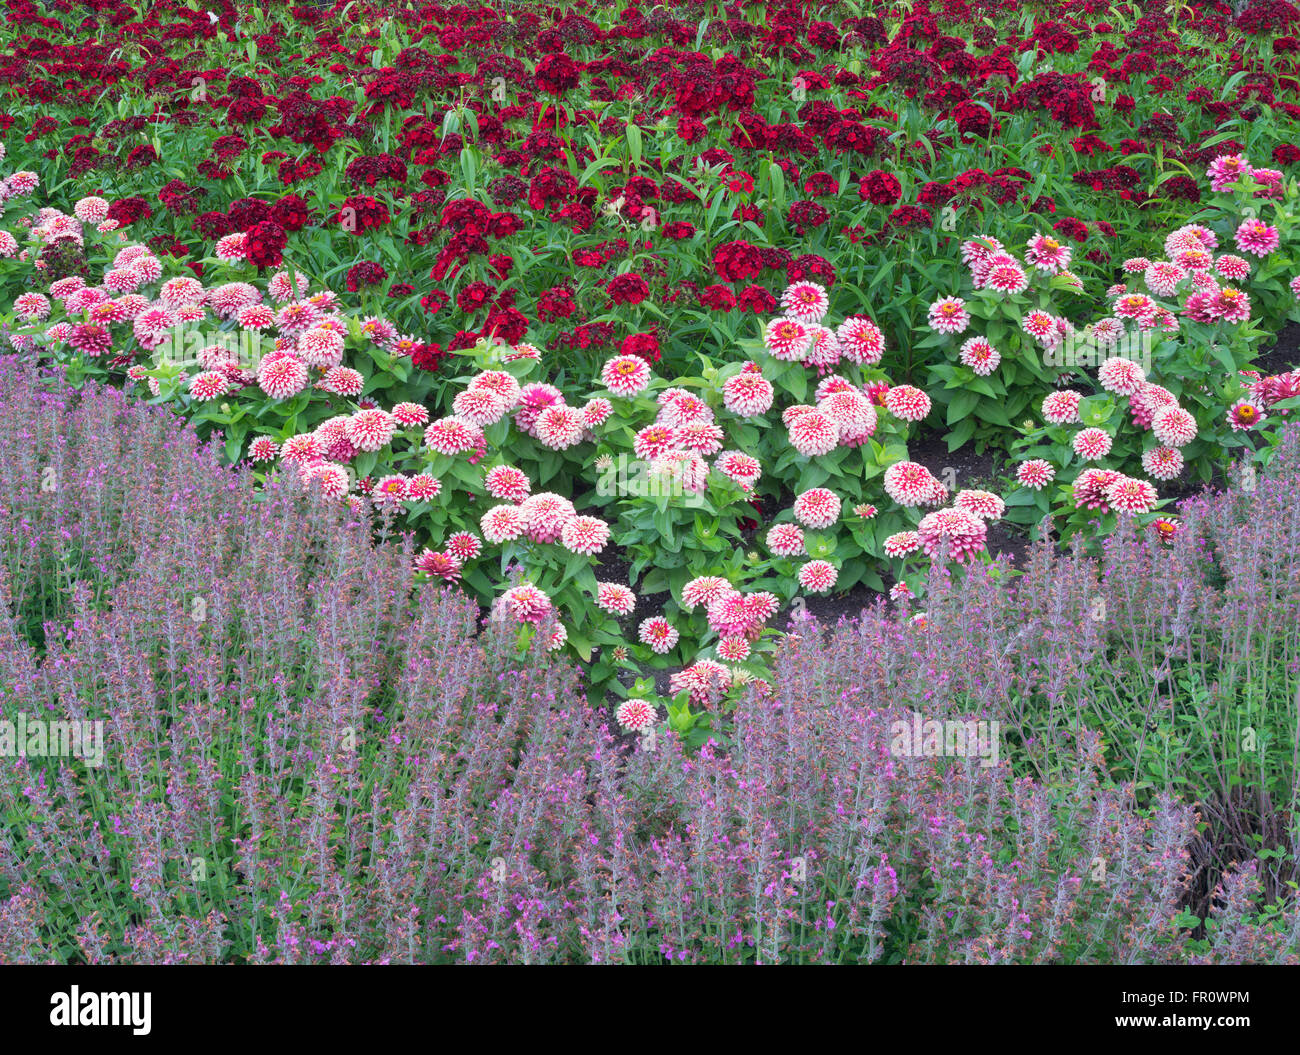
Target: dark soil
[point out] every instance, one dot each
(1284, 354)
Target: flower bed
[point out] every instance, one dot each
(307, 767)
(631, 337)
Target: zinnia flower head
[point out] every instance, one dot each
(502, 524)
(1035, 473)
(626, 375)
(421, 487)
(453, 435)
(1119, 375)
(263, 449)
(615, 598)
(507, 483)
(369, 430)
(635, 714)
(980, 356)
(1256, 237)
(1165, 528)
(748, 393)
(743, 468)
(805, 301)
(1091, 444)
(909, 483)
(1061, 408)
(1245, 414)
(282, 376)
(444, 565)
(560, 426)
(1173, 426)
(1128, 495)
(852, 412)
(949, 315)
(962, 532)
(703, 590)
(861, 341)
(659, 634)
(1090, 489)
(526, 603)
(595, 411)
(907, 402)
(1047, 254)
(901, 544)
(1162, 463)
(583, 534)
(817, 508)
(786, 540)
(983, 504)
(545, 515)
(813, 433)
(787, 339)
(817, 576)
(1226, 170)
